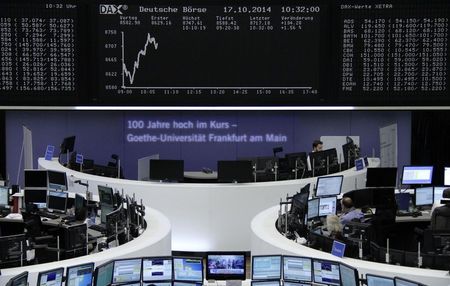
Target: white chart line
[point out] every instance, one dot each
(217, 87)
(125, 71)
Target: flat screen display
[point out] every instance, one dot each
(349, 275)
(417, 175)
(80, 275)
(167, 170)
(36, 196)
(188, 269)
(127, 270)
(51, 278)
(297, 268)
(381, 177)
(446, 176)
(57, 180)
(313, 208)
(327, 206)
(57, 201)
(266, 283)
(424, 196)
(157, 269)
(403, 282)
(19, 280)
(326, 272)
(225, 266)
(103, 274)
(373, 280)
(36, 178)
(329, 186)
(235, 171)
(4, 196)
(266, 267)
(437, 194)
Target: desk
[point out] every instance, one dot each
(154, 241)
(207, 217)
(425, 217)
(267, 240)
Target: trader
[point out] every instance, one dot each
(317, 146)
(349, 212)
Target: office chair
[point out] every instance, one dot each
(440, 219)
(12, 251)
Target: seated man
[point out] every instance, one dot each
(440, 217)
(349, 212)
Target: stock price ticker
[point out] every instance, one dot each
(38, 44)
(394, 50)
(209, 50)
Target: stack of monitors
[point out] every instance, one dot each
(320, 207)
(426, 196)
(225, 266)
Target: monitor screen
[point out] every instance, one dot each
(327, 206)
(225, 266)
(329, 186)
(235, 171)
(349, 275)
(127, 270)
(57, 201)
(313, 208)
(167, 283)
(19, 280)
(437, 194)
(373, 280)
(188, 269)
(266, 283)
(381, 177)
(326, 272)
(404, 282)
(4, 196)
(446, 176)
(167, 170)
(80, 275)
(424, 196)
(36, 196)
(417, 175)
(106, 195)
(290, 283)
(266, 267)
(297, 268)
(57, 180)
(179, 283)
(51, 278)
(103, 274)
(36, 178)
(157, 268)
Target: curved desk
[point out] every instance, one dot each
(207, 217)
(267, 240)
(154, 241)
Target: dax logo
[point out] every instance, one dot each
(110, 9)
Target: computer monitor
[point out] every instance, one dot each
(80, 275)
(266, 267)
(106, 197)
(437, 194)
(349, 275)
(225, 266)
(36, 179)
(446, 176)
(290, 283)
(424, 196)
(235, 171)
(297, 269)
(19, 280)
(167, 170)
(180, 283)
(36, 196)
(381, 177)
(127, 271)
(323, 162)
(67, 145)
(167, 283)
(74, 240)
(417, 175)
(375, 280)
(188, 269)
(157, 269)
(326, 272)
(57, 180)
(51, 278)
(103, 274)
(329, 186)
(80, 205)
(57, 201)
(327, 206)
(313, 208)
(265, 283)
(300, 202)
(4, 196)
(350, 153)
(404, 282)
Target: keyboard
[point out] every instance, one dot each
(48, 215)
(403, 213)
(98, 227)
